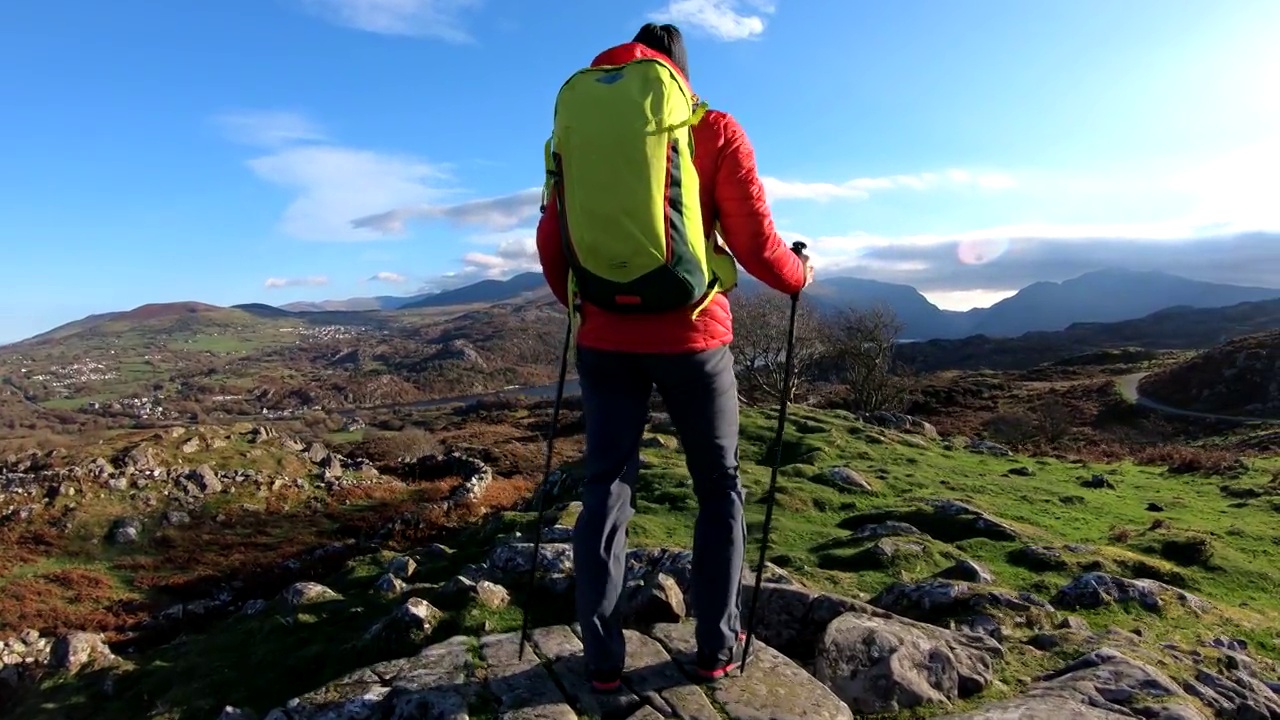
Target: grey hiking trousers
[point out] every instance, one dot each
(701, 395)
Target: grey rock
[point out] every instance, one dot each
(402, 567)
(389, 585)
(1234, 694)
(524, 688)
(557, 534)
(938, 599)
(880, 665)
(175, 518)
(78, 651)
(967, 571)
(563, 650)
(989, 448)
(1103, 685)
(124, 531)
(772, 688)
(510, 563)
(842, 478)
(654, 677)
(1095, 589)
(438, 683)
(889, 528)
(409, 624)
(307, 593)
(317, 453)
(1041, 559)
(655, 599)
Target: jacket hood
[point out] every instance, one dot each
(626, 52)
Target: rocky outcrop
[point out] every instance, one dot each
(1096, 589)
(1239, 378)
(141, 473)
(24, 657)
(878, 664)
(467, 676)
(1103, 685)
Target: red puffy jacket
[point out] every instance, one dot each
(732, 193)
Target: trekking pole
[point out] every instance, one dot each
(798, 248)
(542, 488)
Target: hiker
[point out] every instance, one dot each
(622, 354)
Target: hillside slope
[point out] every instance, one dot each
(1043, 562)
(1239, 378)
(1176, 328)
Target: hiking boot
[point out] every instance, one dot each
(605, 683)
(715, 667)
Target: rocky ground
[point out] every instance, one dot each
(1238, 378)
(911, 575)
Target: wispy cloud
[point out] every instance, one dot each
(388, 277)
(437, 19)
(505, 254)
(332, 183)
(314, 281)
(726, 20)
(497, 213)
(269, 128)
(336, 183)
(861, 188)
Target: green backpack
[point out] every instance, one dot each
(620, 163)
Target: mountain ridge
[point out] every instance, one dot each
(1101, 296)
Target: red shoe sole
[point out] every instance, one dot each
(608, 687)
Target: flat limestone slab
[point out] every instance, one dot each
(654, 676)
(773, 688)
(437, 683)
(563, 650)
(524, 689)
(487, 676)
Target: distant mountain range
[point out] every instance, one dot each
(1103, 296)
(1099, 296)
(483, 292)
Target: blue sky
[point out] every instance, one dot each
(220, 151)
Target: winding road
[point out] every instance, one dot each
(1128, 386)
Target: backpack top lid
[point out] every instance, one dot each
(632, 51)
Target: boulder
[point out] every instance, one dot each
(879, 664)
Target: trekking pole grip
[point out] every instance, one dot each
(798, 247)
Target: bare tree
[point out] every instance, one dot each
(760, 322)
(860, 358)
(1054, 419)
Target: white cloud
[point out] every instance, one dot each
(720, 18)
(861, 188)
(496, 213)
(438, 19)
(967, 299)
(334, 184)
(269, 128)
(388, 277)
(508, 253)
(314, 281)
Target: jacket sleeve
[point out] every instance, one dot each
(555, 266)
(745, 220)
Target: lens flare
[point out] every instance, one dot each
(980, 252)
